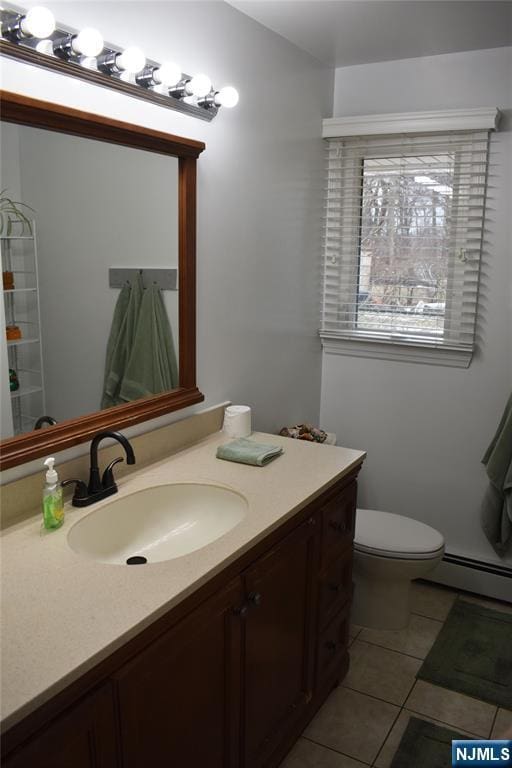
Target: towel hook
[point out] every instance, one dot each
(162, 278)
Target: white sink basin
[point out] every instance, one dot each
(158, 523)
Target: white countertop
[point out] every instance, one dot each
(63, 613)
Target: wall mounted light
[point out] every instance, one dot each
(88, 42)
(38, 22)
(131, 61)
(198, 85)
(226, 97)
(45, 46)
(164, 76)
(34, 37)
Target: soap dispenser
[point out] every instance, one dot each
(53, 500)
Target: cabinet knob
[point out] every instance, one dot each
(311, 521)
(254, 598)
(335, 587)
(331, 645)
(338, 526)
(241, 611)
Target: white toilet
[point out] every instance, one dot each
(390, 551)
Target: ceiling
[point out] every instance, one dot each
(341, 33)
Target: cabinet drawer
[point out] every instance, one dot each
(335, 587)
(338, 519)
(332, 648)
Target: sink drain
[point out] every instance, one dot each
(136, 560)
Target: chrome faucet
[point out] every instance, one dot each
(97, 488)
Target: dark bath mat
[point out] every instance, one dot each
(473, 654)
(425, 745)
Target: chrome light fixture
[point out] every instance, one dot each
(227, 97)
(88, 42)
(131, 61)
(33, 36)
(38, 22)
(161, 77)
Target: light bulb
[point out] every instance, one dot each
(88, 42)
(227, 97)
(167, 74)
(89, 62)
(199, 85)
(45, 46)
(39, 22)
(131, 60)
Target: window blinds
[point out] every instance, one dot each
(403, 236)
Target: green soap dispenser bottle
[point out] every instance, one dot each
(53, 501)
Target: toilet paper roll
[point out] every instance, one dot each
(237, 421)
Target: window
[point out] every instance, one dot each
(402, 245)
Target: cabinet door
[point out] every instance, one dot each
(179, 701)
(279, 632)
(84, 737)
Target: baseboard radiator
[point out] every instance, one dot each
(488, 579)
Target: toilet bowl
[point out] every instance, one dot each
(390, 551)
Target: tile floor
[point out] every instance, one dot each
(363, 720)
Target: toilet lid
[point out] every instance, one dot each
(389, 535)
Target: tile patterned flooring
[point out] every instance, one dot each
(363, 720)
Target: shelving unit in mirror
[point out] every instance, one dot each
(21, 331)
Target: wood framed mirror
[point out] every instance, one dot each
(23, 111)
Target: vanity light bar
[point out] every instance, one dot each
(34, 37)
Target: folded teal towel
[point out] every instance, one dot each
(248, 452)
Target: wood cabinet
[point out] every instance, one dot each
(278, 658)
(83, 737)
(332, 650)
(179, 700)
(335, 587)
(229, 678)
(338, 520)
(337, 515)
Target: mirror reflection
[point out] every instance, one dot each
(89, 241)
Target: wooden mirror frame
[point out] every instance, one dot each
(54, 117)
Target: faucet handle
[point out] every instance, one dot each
(80, 489)
(107, 481)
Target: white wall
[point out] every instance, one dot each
(10, 160)
(259, 190)
(426, 427)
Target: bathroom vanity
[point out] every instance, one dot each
(216, 658)
(219, 658)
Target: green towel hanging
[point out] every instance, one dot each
(496, 511)
(121, 339)
(152, 366)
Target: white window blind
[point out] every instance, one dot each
(403, 236)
